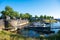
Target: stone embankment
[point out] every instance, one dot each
(14, 23)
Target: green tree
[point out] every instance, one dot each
(48, 17)
(8, 12)
(26, 16)
(36, 16)
(41, 16)
(14, 14)
(45, 16)
(21, 15)
(52, 17)
(8, 8)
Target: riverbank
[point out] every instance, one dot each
(6, 35)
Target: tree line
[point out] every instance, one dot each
(11, 13)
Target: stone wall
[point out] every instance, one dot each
(14, 23)
(1, 24)
(22, 23)
(18, 22)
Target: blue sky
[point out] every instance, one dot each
(34, 7)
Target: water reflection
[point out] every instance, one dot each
(56, 30)
(32, 33)
(55, 25)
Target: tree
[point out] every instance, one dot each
(9, 9)
(14, 14)
(8, 12)
(36, 16)
(41, 16)
(45, 16)
(26, 16)
(21, 15)
(52, 17)
(48, 17)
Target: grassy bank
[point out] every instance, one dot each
(6, 35)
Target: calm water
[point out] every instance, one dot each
(55, 25)
(32, 33)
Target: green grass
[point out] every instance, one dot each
(6, 35)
